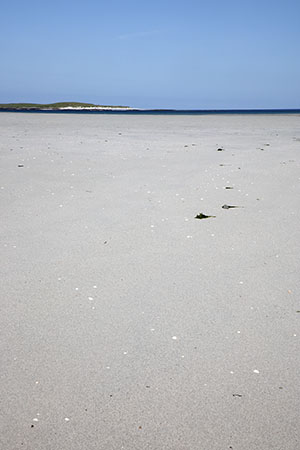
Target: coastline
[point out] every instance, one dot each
(140, 111)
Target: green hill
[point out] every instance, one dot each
(54, 105)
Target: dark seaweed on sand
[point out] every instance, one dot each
(203, 216)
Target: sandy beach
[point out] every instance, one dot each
(125, 322)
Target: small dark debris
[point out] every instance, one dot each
(140, 427)
(20, 165)
(186, 145)
(202, 216)
(230, 206)
(267, 145)
(298, 311)
(228, 187)
(110, 395)
(237, 395)
(220, 150)
(120, 134)
(147, 386)
(32, 426)
(105, 242)
(280, 387)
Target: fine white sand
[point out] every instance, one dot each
(125, 322)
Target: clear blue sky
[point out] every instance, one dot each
(154, 53)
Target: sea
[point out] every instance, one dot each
(173, 112)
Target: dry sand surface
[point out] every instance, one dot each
(125, 322)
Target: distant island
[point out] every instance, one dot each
(61, 106)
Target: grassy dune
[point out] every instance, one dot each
(57, 105)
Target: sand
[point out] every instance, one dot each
(125, 322)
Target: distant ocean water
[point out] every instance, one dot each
(173, 112)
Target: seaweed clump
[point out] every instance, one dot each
(203, 216)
